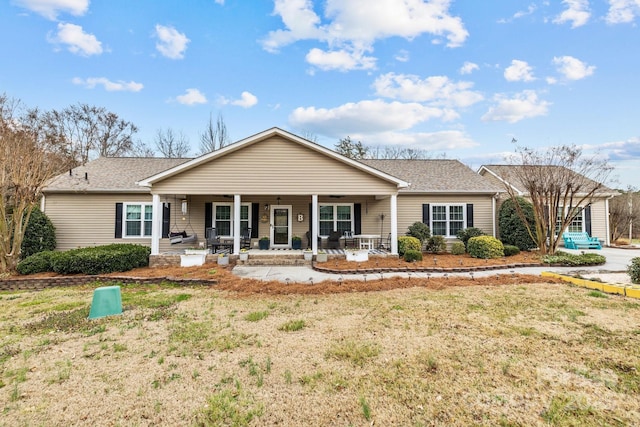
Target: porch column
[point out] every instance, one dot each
(156, 225)
(236, 224)
(393, 204)
(314, 224)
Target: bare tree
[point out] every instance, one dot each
(141, 149)
(215, 136)
(83, 132)
(624, 215)
(309, 136)
(560, 182)
(25, 167)
(172, 145)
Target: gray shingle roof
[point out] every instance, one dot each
(111, 174)
(436, 176)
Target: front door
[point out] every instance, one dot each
(281, 226)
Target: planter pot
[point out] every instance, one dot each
(308, 256)
(264, 244)
(321, 258)
(223, 260)
(244, 256)
(359, 256)
(196, 251)
(192, 260)
(296, 244)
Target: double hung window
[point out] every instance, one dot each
(138, 219)
(338, 217)
(447, 220)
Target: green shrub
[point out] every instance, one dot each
(466, 233)
(510, 250)
(420, 231)
(436, 244)
(485, 247)
(411, 256)
(513, 230)
(457, 248)
(39, 235)
(634, 270)
(408, 243)
(564, 258)
(37, 263)
(101, 259)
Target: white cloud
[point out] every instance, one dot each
(76, 40)
(622, 11)
(468, 68)
(437, 90)
(577, 13)
(192, 97)
(374, 116)
(519, 71)
(519, 14)
(108, 85)
(340, 60)
(51, 8)
(430, 141)
(172, 43)
(618, 150)
(247, 100)
(402, 56)
(523, 105)
(354, 26)
(572, 68)
(220, 2)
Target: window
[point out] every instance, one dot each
(223, 218)
(338, 217)
(577, 225)
(138, 219)
(447, 220)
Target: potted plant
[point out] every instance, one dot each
(264, 243)
(244, 254)
(308, 254)
(322, 256)
(223, 259)
(296, 242)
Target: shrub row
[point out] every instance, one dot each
(485, 247)
(634, 270)
(564, 258)
(94, 260)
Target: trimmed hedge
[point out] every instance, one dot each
(634, 270)
(436, 244)
(457, 248)
(94, 260)
(411, 256)
(420, 231)
(564, 258)
(512, 230)
(467, 233)
(510, 250)
(37, 263)
(485, 247)
(408, 243)
(39, 234)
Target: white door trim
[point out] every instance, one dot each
(272, 228)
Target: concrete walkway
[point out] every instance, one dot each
(614, 271)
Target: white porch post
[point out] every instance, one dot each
(236, 224)
(156, 225)
(314, 224)
(393, 205)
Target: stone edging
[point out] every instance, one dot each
(632, 291)
(423, 269)
(39, 283)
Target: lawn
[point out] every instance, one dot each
(479, 354)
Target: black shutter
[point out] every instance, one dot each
(255, 219)
(469, 215)
(587, 219)
(310, 220)
(118, 221)
(208, 216)
(357, 218)
(426, 214)
(166, 219)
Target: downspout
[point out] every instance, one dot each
(607, 241)
(493, 213)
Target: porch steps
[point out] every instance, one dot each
(274, 260)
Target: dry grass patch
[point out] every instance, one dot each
(460, 353)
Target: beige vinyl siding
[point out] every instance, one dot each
(599, 220)
(410, 209)
(88, 219)
(274, 166)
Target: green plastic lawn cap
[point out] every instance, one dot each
(106, 302)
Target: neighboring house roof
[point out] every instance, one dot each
(268, 134)
(508, 174)
(436, 176)
(111, 174)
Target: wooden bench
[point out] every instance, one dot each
(575, 240)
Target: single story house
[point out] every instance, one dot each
(275, 184)
(593, 218)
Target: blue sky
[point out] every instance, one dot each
(463, 78)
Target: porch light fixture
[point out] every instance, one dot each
(266, 206)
